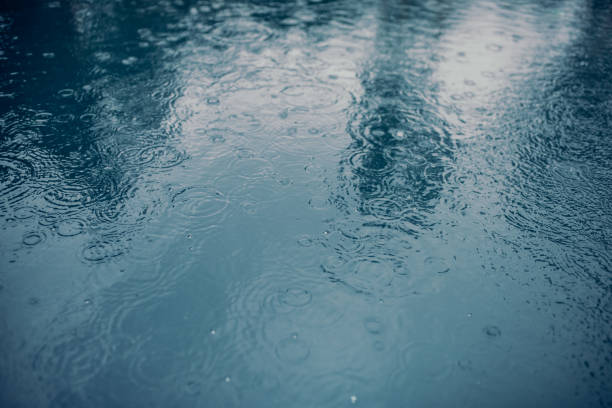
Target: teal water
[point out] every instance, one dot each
(305, 203)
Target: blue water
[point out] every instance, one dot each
(305, 203)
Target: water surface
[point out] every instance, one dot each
(305, 203)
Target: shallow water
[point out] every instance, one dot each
(305, 203)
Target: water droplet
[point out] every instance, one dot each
(213, 332)
(353, 399)
(227, 379)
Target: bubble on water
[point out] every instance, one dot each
(227, 379)
(212, 100)
(353, 399)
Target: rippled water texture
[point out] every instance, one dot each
(305, 203)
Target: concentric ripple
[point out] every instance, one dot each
(15, 175)
(200, 202)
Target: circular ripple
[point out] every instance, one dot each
(77, 359)
(70, 227)
(240, 32)
(436, 264)
(492, 331)
(384, 209)
(101, 251)
(286, 296)
(66, 93)
(295, 297)
(306, 241)
(371, 163)
(161, 156)
(23, 213)
(343, 243)
(33, 238)
(14, 175)
(153, 368)
(310, 96)
(292, 350)
(376, 277)
(68, 196)
(200, 202)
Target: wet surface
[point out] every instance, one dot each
(310, 203)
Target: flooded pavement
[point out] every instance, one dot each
(305, 203)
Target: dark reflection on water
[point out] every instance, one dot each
(307, 203)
